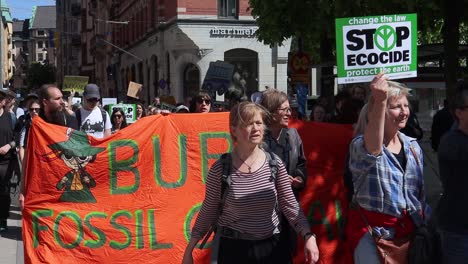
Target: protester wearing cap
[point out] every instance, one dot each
(7, 145)
(10, 103)
(92, 119)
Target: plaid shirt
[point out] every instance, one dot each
(380, 183)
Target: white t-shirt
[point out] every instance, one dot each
(92, 123)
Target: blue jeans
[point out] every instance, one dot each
(366, 251)
(454, 247)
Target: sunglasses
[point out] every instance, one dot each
(207, 101)
(34, 109)
(92, 100)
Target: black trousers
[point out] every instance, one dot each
(272, 250)
(5, 177)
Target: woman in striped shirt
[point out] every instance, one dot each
(249, 224)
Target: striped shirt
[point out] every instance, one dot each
(250, 202)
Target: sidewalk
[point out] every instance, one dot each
(11, 242)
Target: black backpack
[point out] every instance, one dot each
(226, 162)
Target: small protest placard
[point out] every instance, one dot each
(134, 90)
(128, 109)
(108, 101)
(75, 83)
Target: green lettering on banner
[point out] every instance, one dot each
(322, 221)
(182, 140)
(139, 229)
(123, 165)
(152, 233)
(188, 220)
(75, 218)
(36, 226)
(340, 219)
(101, 236)
(205, 156)
(125, 231)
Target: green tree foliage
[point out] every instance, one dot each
(39, 74)
(314, 22)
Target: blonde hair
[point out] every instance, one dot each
(395, 90)
(243, 113)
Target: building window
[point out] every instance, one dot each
(40, 56)
(228, 8)
(40, 44)
(40, 32)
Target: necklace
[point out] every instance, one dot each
(249, 167)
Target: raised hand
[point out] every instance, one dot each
(379, 87)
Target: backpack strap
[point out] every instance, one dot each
(104, 117)
(78, 117)
(226, 163)
(273, 165)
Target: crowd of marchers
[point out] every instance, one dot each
(383, 172)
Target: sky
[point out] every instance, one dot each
(22, 9)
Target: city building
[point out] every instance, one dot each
(167, 46)
(68, 38)
(20, 53)
(42, 28)
(6, 35)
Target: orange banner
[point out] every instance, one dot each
(133, 197)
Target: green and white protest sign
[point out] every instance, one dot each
(128, 109)
(366, 46)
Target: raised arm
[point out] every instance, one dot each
(374, 132)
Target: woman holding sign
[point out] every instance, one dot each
(256, 189)
(386, 168)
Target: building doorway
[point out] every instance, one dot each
(245, 75)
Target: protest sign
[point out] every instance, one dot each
(108, 101)
(367, 46)
(76, 100)
(75, 83)
(128, 109)
(134, 90)
(136, 194)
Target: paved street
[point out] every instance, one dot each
(11, 244)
